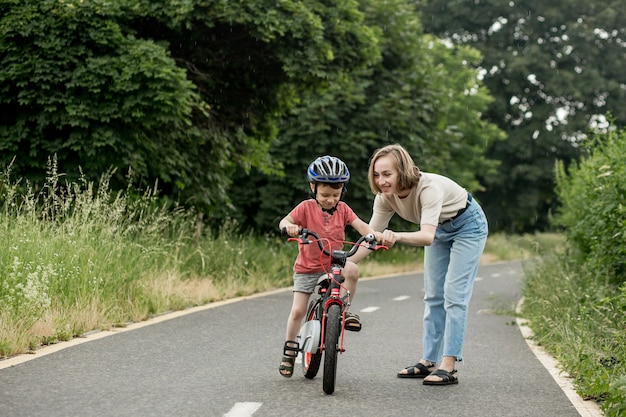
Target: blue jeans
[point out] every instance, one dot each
(450, 267)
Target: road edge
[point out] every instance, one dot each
(99, 334)
(585, 408)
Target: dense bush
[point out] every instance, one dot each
(593, 210)
(186, 93)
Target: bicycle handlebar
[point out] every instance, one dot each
(338, 256)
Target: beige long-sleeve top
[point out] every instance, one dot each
(434, 200)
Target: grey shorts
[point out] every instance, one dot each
(305, 282)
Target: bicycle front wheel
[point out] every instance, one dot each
(311, 361)
(331, 347)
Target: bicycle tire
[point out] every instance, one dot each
(331, 347)
(311, 361)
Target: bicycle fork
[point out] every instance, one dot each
(335, 298)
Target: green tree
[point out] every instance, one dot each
(555, 71)
(74, 83)
(420, 93)
(186, 93)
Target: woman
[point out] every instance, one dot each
(453, 231)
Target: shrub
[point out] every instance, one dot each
(593, 210)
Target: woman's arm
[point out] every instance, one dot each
(422, 237)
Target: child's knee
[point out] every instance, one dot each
(351, 277)
(351, 271)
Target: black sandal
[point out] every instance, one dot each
(290, 353)
(410, 371)
(447, 378)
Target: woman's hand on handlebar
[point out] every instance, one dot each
(386, 237)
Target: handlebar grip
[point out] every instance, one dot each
(283, 232)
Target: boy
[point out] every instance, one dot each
(328, 216)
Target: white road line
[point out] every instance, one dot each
(402, 298)
(369, 309)
(243, 409)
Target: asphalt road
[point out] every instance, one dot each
(222, 360)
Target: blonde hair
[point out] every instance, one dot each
(408, 173)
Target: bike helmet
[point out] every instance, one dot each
(328, 169)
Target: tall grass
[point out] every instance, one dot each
(579, 318)
(78, 257)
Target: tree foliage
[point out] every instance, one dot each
(420, 93)
(555, 70)
(216, 99)
(184, 92)
(74, 83)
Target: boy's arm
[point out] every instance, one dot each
(363, 228)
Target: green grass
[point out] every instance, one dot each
(502, 247)
(579, 319)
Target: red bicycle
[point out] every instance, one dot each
(324, 325)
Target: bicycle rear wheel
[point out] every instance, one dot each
(331, 347)
(311, 361)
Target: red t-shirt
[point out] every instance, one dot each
(330, 228)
